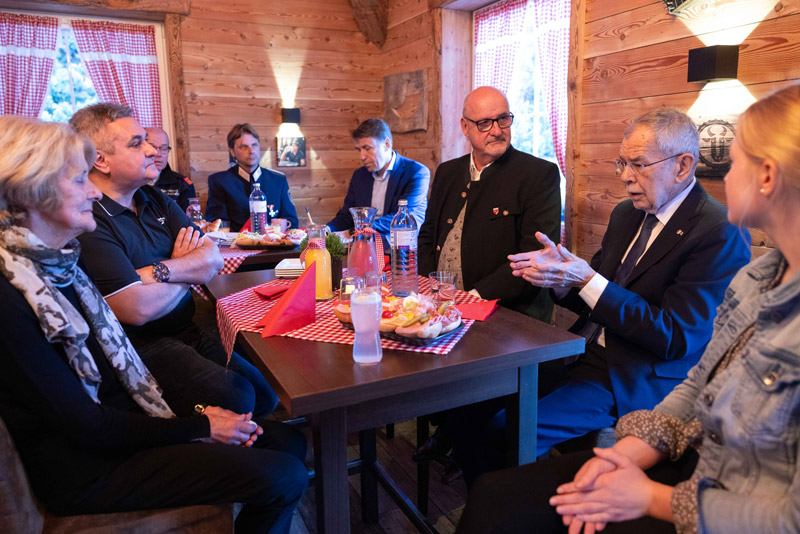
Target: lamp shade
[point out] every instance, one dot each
(290, 115)
(713, 63)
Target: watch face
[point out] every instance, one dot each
(161, 272)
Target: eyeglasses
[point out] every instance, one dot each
(621, 164)
(484, 125)
(163, 148)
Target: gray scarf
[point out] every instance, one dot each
(36, 270)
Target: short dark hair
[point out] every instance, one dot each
(239, 130)
(375, 128)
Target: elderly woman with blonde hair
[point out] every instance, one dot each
(90, 422)
(720, 453)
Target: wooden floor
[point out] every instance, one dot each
(445, 503)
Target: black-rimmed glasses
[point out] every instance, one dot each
(484, 125)
(621, 164)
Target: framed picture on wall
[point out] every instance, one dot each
(291, 151)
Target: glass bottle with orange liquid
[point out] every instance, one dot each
(362, 258)
(318, 254)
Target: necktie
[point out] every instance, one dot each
(625, 270)
(591, 330)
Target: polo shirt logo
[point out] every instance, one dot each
(161, 220)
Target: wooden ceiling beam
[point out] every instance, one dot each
(372, 18)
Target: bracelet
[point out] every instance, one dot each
(199, 409)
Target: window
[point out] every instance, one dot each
(140, 69)
(70, 87)
(522, 47)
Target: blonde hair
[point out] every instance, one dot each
(770, 129)
(35, 155)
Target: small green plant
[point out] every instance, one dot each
(332, 242)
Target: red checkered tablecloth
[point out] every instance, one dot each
(232, 258)
(243, 310)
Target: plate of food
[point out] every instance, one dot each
(414, 320)
(253, 241)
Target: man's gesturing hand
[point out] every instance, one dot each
(553, 266)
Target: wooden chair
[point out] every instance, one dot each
(22, 513)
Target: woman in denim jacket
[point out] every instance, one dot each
(737, 415)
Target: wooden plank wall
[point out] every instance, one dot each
(238, 53)
(635, 58)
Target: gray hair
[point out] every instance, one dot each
(674, 130)
(35, 156)
(92, 121)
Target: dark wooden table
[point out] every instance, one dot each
(495, 358)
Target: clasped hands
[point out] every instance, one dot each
(231, 428)
(553, 266)
(608, 488)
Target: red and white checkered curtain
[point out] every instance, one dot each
(27, 54)
(498, 29)
(551, 18)
(121, 60)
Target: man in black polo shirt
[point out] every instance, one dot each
(143, 256)
(175, 185)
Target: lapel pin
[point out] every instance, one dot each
(495, 210)
(679, 232)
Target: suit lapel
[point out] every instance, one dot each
(679, 225)
(395, 176)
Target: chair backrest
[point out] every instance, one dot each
(20, 511)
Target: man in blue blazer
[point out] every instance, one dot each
(647, 300)
(229, 191)
(385, 178)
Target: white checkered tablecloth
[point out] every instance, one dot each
(243, 310)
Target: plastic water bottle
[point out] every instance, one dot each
(258, 210)
(404, 251)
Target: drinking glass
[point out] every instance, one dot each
(365, 309)
(443, 286)
(373, 280)
(348, 285)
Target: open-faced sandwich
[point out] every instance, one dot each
(415, 316)
(250, 239)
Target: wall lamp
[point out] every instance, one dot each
(290, 115)
(713, 63)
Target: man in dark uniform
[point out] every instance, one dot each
(176, 186)
(229, 191)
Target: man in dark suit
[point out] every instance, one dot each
(385, 178)
(648, 298)
(229, 191)
(489, 204)
(176, 186)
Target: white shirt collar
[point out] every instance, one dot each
(668, 210)
(474, 173)
(388, 169)
(244, 175)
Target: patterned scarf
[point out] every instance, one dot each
(36, 270)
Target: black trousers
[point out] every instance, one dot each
(190, 366)
(515, 500)
(269, 478)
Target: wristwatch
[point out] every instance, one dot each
(160, 272)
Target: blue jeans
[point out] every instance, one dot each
(190, 367)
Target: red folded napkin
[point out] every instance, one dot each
(295, 309)
(479, 311)
(271, 292)
(246, 227)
